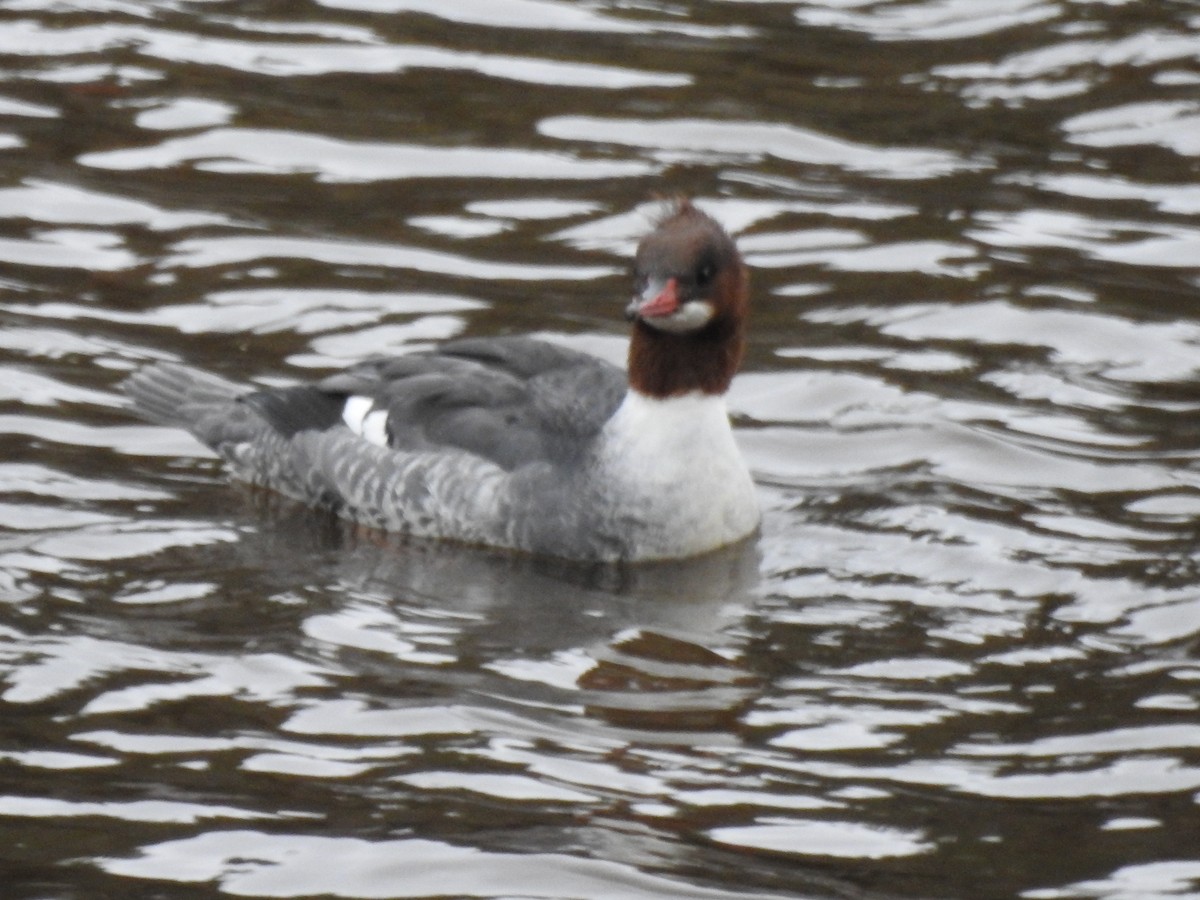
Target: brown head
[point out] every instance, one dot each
(691, 294)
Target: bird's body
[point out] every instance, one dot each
(515, 442)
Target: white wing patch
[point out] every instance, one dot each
(369, 423)
(374, 429)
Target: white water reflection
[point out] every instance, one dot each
(304, 311)
(940, 20)
(459, 226)
(1064, 68)
(366, 55)
(226, 251)
(1173, 250)
(357, 51)
(1174, 125)
(550, 15)
(619, 233)
(132, 811)
(11, 107)
(532, 208)
(63, 762)
(499, 787)
(691, 139)
(1183, 199)
(261, 864)
(285, 60)
(1121, 740)
(346, 349)
(69, 247)
(266, 754)
(63, 204)
(966, 629)
(267, 152)
(185, 113)
(44, 481)
(1109, 345)
(39, 390)
(255, 678)
(1169, 880)
(822, 838)
(1129, 777)
(928, 257)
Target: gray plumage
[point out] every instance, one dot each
(513, 401)
(476, 432)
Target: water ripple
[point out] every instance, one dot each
(968, 399)
(684, 139)
(265, 152)
(944, 20)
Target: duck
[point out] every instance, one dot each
(514, 442)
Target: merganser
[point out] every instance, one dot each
(514, 442)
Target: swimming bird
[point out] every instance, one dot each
(515, 442)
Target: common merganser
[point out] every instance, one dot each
(514, 442)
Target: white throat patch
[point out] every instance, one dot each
(691, 316)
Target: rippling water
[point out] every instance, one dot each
(961, 661)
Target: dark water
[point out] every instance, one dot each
(961, 662)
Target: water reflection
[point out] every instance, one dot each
(61, 204)
(238, 151)
(960, 660)
(941, 20)
(538, 15)
(678, 140)
(296, 866)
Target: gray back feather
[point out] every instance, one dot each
(473, 427)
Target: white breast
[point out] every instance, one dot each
(676, 476)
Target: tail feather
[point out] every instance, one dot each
(171, 394)
(451, 494)
(211, 408)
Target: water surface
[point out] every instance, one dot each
(960, 662)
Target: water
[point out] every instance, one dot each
(959, 663)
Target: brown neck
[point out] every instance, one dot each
(667, 365)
